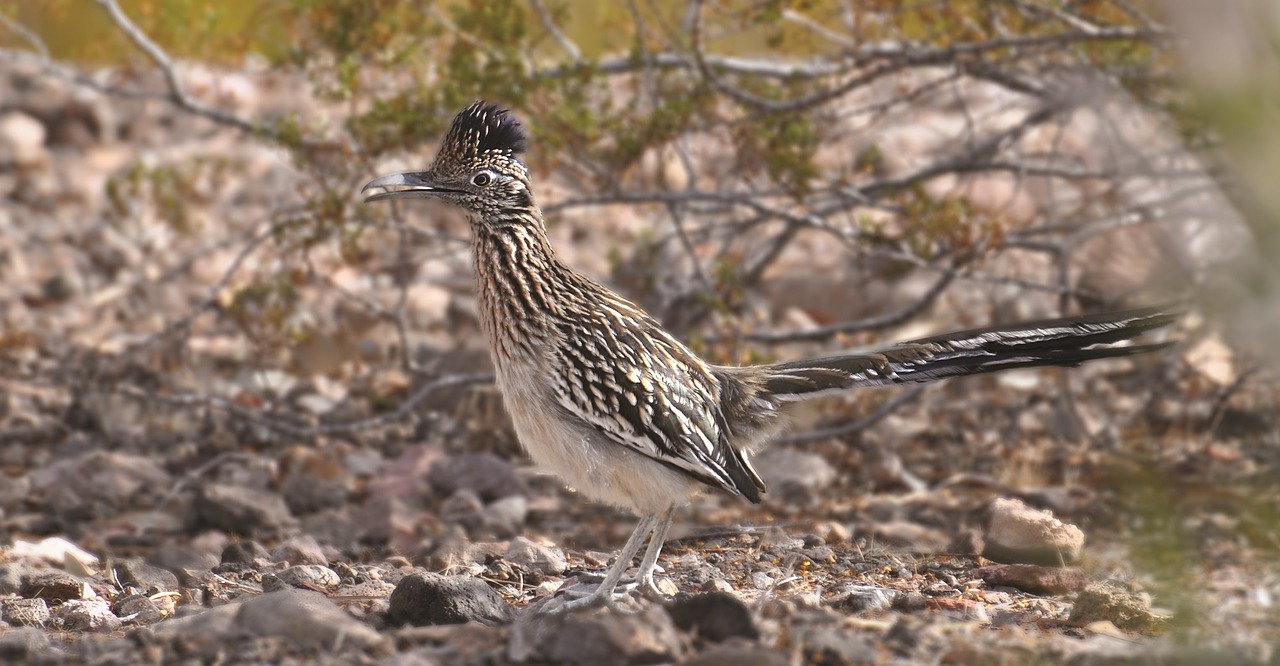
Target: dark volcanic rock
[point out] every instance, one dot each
(243, 552)
(715, 616)
(430, 598)
(598, 638)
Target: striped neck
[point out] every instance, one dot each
(518, 278)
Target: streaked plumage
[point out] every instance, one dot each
(600, 394)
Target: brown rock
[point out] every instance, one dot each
(1033, 578)
(1019, 534)
(1114, 603)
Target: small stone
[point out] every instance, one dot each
(307, 618)
(535, 557)
(586, 639)
(795, 477)
(22, 140)
(148, 579)
(302, 549)
(429, 598)
(138, 609)
(190, 565)
(23, 645)
(910, 602)
(203, 627)
(88, 615)
(11, 574)
(53, 586)
(310, 576)
(739, 655)
(26, 612)
(715, 616)
(505, 517)
(1112, 602)
(243, 553)
(833, 645)
(863, 598)
(717, 585)
(1034, 579)
(1019, 534)
(488, 476)
(241, 510)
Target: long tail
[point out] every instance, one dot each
(1067, 341)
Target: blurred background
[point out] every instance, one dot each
(193, 298)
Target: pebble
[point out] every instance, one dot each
(138, 609)
(863, 598)
(1019, 534)
(312, 576)
(243, 553)
(535, 557)
(303, 549)
(835, 646)
(488, 476)
(148, 579)
(307, 618)
(430, 598)
(25, 612)
(241, 510)
(88, 615)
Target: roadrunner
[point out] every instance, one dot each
(604, 397)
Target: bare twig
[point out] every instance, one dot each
(566, 44)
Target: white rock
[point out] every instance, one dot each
(22, 140)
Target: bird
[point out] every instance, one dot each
(603, 396)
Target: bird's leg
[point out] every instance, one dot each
(644, 575)
(604, 592)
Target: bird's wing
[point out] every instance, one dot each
(642, 389)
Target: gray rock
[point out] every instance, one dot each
(23, 645)
(241, 510)
(535, 557)
(487, 475)
(307, 618)
(715, 616)
(504, 518)
(302, 549)
(862, 598)
(202, 628)
(310, 576)
(243, 552)
(430, 598)
(98, 478)
(52, 586)
(88, 615)
(739, 655)
(190, 564)
(138, 609)
(148, 579)
(25, 612)
(795, 477)
(835, 645)
(1019, 534)
(582, 639)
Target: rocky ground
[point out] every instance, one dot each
(184, 479)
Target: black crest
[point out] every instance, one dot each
(485, 128)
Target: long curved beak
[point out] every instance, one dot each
(403, 185)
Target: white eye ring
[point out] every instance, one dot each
(481, 179)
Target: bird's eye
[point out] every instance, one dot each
(480, 180)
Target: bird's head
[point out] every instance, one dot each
(478, 166)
